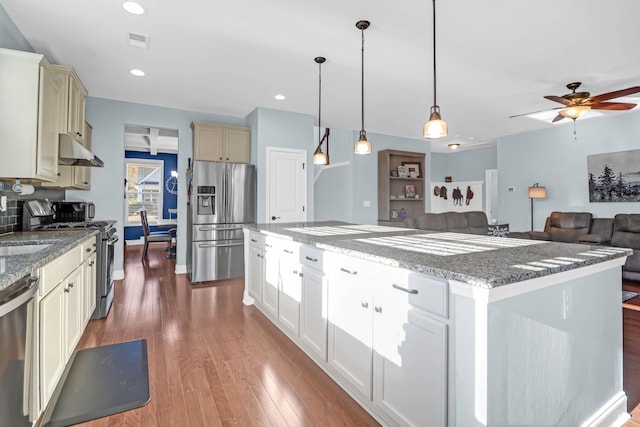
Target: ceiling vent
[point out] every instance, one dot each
(138, 40)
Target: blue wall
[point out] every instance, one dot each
(169, 201)
(556, 160)
(10, 35)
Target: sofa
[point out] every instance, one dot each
(626, 234)
(474, 222)
(567, 227)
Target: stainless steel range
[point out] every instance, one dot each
(39, 215)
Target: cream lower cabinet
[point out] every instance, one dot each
(63, 304)
(271, 279)
(256, 272)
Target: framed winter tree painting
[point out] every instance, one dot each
(614, 177)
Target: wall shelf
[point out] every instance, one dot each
(390, 187)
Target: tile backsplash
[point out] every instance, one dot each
(11, 219)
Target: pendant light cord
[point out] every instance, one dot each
(362, 79)
(319, 100)
(434, 52)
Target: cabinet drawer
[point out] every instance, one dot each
(256, 240)
(428, 294)
(88, 247)
(311, 257)
(52, 273)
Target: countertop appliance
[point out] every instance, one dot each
(16, 350)
(222, 198)
(43, 215)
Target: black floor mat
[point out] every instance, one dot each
(100, 381)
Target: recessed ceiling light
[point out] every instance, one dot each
(134, 8)
(136, 72)
(280, 97)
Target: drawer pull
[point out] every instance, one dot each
(88, 250)
(254, 240)
(409, 291)
(311, 259)
(348, 271)
(364, 304)
(268, 245)
(288, 251)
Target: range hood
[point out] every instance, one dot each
(72, 152)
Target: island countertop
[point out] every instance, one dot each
(14, 267)
(477, 260)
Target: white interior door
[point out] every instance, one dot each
(286, 185)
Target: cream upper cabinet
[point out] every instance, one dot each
(29, 121)
(219, 143)
(72, 104)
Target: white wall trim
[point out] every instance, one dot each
(329, 166)
(181, 269)
(612, 413)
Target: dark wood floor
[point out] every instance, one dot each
(215, 362)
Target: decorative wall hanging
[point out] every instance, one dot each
(614, 177)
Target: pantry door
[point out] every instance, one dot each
(286, 185)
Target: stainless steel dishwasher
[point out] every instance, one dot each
(16, 349)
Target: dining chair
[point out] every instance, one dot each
(152, 236)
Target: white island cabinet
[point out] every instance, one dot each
(450, 334)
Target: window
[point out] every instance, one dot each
(144, 184)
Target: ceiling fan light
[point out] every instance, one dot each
(436, 127)
(574, 112)
(363, 146)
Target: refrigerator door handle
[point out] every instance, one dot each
(218, 245)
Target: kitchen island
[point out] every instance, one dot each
(441, 329)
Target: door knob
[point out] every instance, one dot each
(273, 218)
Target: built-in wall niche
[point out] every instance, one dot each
(151, 178)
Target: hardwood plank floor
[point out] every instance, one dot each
(212, 360)
(215, 362)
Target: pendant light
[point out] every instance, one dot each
(436, 127)
(319, 158)
(362, 146)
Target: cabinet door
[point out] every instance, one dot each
(208, 143)
(256, 277)
(313, 311)
(89, 288)
(74, 301)
(351, 323)
(53, 350)
(47, 145)
(290, 289)
(238, 145)
(270, 283)
(410, 369)
(77, 101)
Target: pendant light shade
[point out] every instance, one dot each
(362, 146)
(436, 127)
(320, 158)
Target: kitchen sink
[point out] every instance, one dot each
(21, 249)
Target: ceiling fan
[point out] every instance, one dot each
(575, 104)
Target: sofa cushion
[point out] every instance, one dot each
(456, 222)
(627, 222)
(431, 221)
(568, 226)
(477, 222)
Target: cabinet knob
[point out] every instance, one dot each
(71, 285)
(227, 158)
(300, 274)
(85, 183)
(88, 250)
(364, 304)
(378, 309)
(220, 158)
(67, 290)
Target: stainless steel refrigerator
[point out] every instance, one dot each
(222, 198)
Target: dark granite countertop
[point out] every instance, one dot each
(14, 267)
(478, 260)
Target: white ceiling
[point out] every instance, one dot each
(495, 58)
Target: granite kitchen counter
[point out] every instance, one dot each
(14, 267)
(478, 260)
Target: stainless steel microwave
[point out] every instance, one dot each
(73, 211)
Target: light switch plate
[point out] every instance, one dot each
(366, 204)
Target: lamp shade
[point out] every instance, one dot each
(574, 112)
(536, 192)
(363, 146)
(319, 158)
(436, 127)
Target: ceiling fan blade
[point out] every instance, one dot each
(557, 118)
(616, 94)
(612, 106)
(559, 99)
(535, 112)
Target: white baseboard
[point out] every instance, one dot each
(613, 413)
(139, 241)
(118, 274)
(181, 269)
